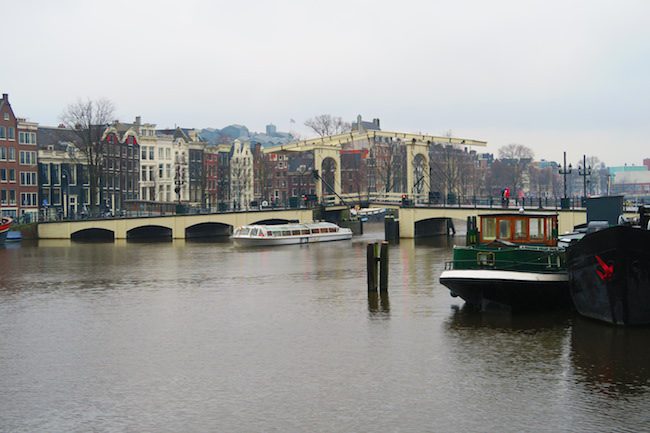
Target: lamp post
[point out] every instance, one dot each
(301, 171)
(564, 204)
(64, 191)
(179, 178)
(584, 171)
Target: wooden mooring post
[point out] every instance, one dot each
(377, 262)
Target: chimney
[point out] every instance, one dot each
(376, 122)
(137, 120)
(5, 97)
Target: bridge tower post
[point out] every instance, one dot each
(320, 155)
(415, 149)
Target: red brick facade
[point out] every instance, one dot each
(18, 165)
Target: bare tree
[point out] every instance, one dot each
(516, 159)
(326, 124)
(88, 120)
(447, 166)
(388, 160)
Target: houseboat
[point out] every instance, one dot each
(286, 234)
(609, 272)
(512, 262)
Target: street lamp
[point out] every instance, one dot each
(301, 171)
(64, 191)
(564, 204)
(584, 171)
(179, 176)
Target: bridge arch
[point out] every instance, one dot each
(93, 235)
(274, 221)
(149, 232)
(208, 230)
(434, 227)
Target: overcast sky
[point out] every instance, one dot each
(553, 75)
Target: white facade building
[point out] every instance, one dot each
(241, 175)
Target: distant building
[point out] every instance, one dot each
(120, 180)
(64, 186)
(633, 182)
(361, 125)
(18, 164)
(241, 175)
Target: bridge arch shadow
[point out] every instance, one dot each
(274, 221)
(149, 233)
(93, 235)
(440, 226)
(208, 231)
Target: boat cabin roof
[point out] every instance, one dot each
(519, 228)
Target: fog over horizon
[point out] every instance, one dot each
(553, 76)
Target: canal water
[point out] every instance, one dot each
(208, 337)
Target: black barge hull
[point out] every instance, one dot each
(609, 275)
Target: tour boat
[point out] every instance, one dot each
(512, 263)
(294, 233)
(5, 223)
(609, 273)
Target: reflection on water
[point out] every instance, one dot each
(611, 360)
(467, 317)
(378, 304)
(195, 336)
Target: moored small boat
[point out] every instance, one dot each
(287, 234)
(14, 236)
(5, 223)
(511, 262)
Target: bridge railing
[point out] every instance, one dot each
(375, 198)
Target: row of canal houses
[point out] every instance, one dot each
(44, 174)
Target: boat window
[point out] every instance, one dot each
(286, 233)
(520, 229)
(304, 231)
(489, 228)
(504, 229)
(269, 233)
(549, 228)
(315, 230)
(245, 231)
(254, 232)
(485, 259)
(332, 230)
(295, 232)
(536, 227)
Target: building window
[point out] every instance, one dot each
(12, 196)
(27, 178)
(3, 132)
(11, 135)
(27, 157)
(12, 175)
(6, 116)
(12, 154)
(3, 196)
(3, 174)
(3, 153)
(28, 199)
